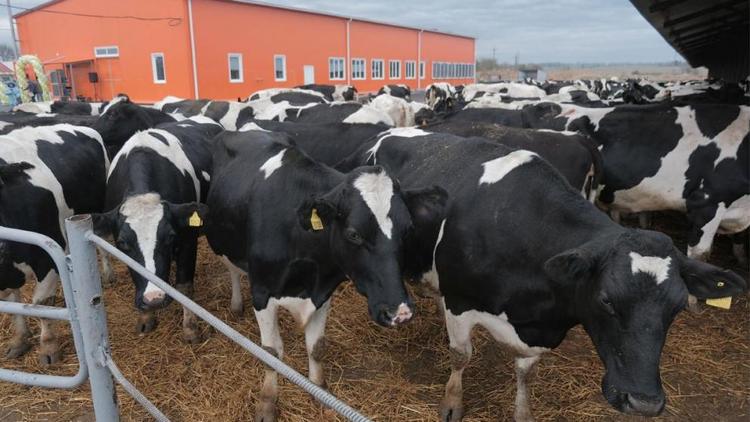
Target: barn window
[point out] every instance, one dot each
(279, 67)
(336, 68)
(377, 68)
(235, 67)
(410, 69)
(421, 70)
(107, 51)
(358, 69)
(394, 69)
(157, 68)
(435, 70)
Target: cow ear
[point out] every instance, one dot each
(316, 214)
(104, 223)
(570, 266)
(427, 207)
(190, 214)
(706, 281)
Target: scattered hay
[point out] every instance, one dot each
(390, 375)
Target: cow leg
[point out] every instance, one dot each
(615, 215)
(19, 344)
(702, 249)
(739, 248)
(270, 338)
(524, 374)
(108, 276)
(459, 334)
(146, 322)
(44, 294)
(187, 251)
(644, 219)
(235, 274)
(316, 343)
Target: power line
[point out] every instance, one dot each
(171, 21)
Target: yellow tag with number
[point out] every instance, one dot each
(195, 220)
(315, 221)
(722, 302)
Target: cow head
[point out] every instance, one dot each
(146, 228)
(367, 219)
(627, 290)
(121, 119)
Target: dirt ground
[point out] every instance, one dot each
(389, 375)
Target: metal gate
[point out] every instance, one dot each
(84, 309)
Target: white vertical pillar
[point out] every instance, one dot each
(192, 49)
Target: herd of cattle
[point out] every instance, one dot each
(489, 196)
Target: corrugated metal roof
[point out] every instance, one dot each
(714, 34)
(294, 9)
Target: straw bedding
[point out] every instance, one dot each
(389, 375)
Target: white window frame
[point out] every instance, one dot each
(163, 65)
(106, 53)
(382, 69)
(390, 69)
(283, 67)
(413, 69)
(342, 71)
(363, 68)
(422, 69)
(238, 56)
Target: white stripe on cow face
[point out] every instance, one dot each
(377, 190)
(143, 213)
(495, 170)
(653, 265)
(273, 163)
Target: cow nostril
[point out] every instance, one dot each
(645, 406)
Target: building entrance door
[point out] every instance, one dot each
(309, 74)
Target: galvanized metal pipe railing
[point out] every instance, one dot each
(300, 380)
(68, 313)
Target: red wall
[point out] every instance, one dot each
(59, 39)
(222, 27)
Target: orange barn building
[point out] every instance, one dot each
(225, 49)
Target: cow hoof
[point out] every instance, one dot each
(693, 305)
(451, 410)
(146, 324)
(17, 348)
(49, 354)
(266, 412)
(238, 309)
(192, 335)
(523, 416)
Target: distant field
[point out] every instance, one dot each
(652, 72)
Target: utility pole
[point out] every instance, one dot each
(494, 58)
(517, 57)
(12, 28)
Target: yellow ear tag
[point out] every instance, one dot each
(722, 302)
(315, 221)
(195, 220)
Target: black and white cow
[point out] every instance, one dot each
(120, 121)
(155, 186)
(441, 97)
(523, 255)
(47, 174)
(299, 228)
(574, 155)
(333, 92)
(326, 143)
(79, 108)
(400, 91)
(341, 113)
(693, 159)
(16, 120)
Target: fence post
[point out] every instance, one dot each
(87, 295)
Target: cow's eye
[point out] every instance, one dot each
(607, 305)
(353, 236)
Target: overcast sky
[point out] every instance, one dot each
(539, 30)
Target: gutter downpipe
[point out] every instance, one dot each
(419, 60)
(192, 49)
(348, 54)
